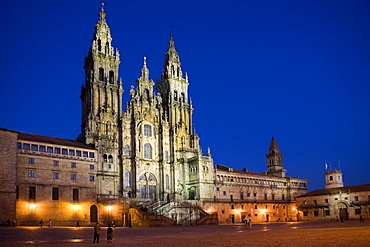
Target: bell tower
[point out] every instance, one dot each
(275, 160)
(101, 97)
(333, 179)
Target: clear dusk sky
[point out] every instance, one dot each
(296, 70)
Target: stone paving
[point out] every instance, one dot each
(349, 233)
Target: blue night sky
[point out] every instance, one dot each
(296, 70)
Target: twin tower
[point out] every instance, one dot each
(150, 148)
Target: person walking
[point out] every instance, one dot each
(97, 229)
(250, 224)
(109, 234)
(361, 219)
(50, 223)
(78, 224)
(41, 222)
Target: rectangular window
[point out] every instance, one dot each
(73, 176)
(326, 200)
(273, 197)
(305, 213)
(72, 152)
(76, 196)
(85, 154)
(32, 193)
(55, 194)
(57, 150)
(147, 130)
(315, 202)
(56, 175)
(78, 153)
(31, 161)
(56, 163)
(19, 145)
(50, 150)
(91, 167)
(283, 197)
(327, 212)
(357, 210)
(91, 155)
(26, 146)
(356, 198)
(92, 178)
(304, 202)
(31, 173)
(254, 194)
(224, 193)
(241, 195)
(265, 196)
(73, 165)
(217, 188)
(64, 151)
(316, 213)
(109, 166)
(34, 147)
(42, 149)
(248, 194)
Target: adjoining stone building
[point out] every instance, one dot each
(336, 201)
(141, 165)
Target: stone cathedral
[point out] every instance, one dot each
(139, 164)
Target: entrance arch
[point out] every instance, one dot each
(342, 211)
(93, 213)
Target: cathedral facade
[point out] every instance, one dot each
(132, 164)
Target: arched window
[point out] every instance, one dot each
(99, 45)
(110, 159)
(192, 195)
(175, 95)
(166, 155)
(127, 179)
(93, 213)
(101, 74)
(147, 130)
(105, 158)
(127, 150)
(167, 182)
(147, 151)
(111, 77)
(146, 94)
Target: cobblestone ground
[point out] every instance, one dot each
(350, 233)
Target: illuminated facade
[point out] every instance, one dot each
(141, 161)
(336, 201)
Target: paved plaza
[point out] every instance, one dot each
(349, 233)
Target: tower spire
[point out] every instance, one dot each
(275, 160)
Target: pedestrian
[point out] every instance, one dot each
(250, 224)
(50, 223)
(78, 224)
(245, 221)
(109, 234)
(8, 222)
(41, 222)
(14, 222)
(361, 219)
(96, 233)
(341, 219)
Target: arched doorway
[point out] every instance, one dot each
(148, 186)
(342, 211)
(93, 213)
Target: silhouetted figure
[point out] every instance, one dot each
(361, 219)
(96, 233)
(41, 222)
(78, 224)
(8, 223)
(109, 234)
